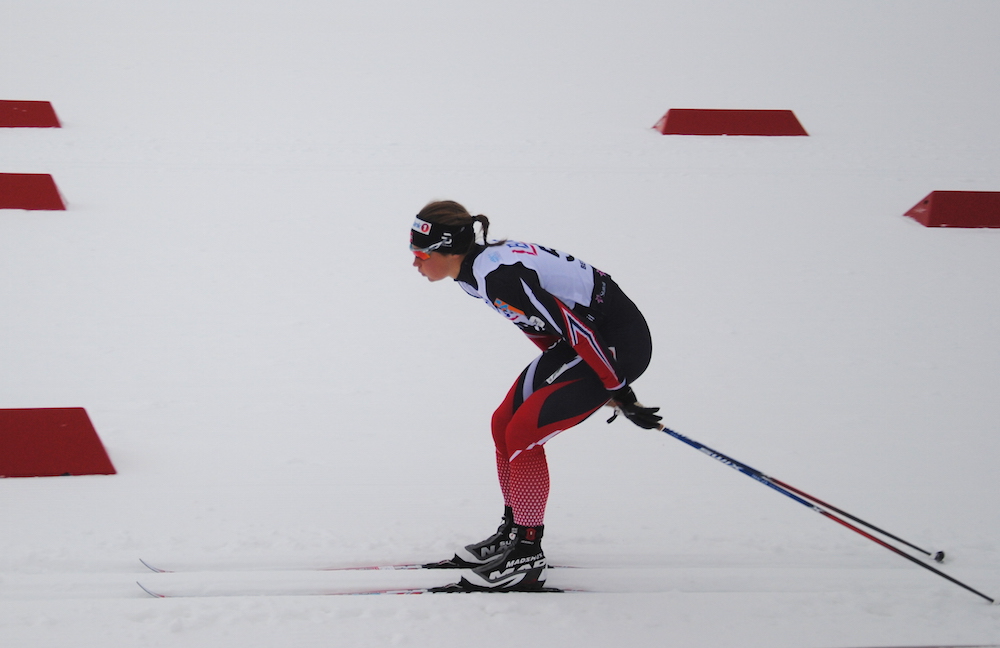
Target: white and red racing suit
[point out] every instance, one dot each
(593, 339)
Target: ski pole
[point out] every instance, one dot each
(791, 493)
(937, 556)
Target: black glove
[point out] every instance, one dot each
(625, 402)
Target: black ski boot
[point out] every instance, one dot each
(520, 568)
(479, 553)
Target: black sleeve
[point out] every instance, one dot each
(516, 293)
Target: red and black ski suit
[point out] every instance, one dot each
(593, 340)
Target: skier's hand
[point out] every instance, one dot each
(624, 401)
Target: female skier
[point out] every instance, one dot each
(595, 343)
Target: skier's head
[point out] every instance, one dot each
(445, 227)
(442, 234)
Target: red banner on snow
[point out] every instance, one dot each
(50, 442)
(689, 121)
(28, 114)
(958, 209)
(29, 191)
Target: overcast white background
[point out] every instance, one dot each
(230, 296)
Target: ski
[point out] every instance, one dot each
(444, 564)
(453, 588)
(397, 567)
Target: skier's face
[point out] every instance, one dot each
(435, 266)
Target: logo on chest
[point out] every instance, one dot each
(518, 316)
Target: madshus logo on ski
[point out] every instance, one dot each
(531, 564)
(515, 570)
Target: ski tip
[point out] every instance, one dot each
(153, 569)
(149, 591)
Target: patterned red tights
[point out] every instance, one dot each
(524, 482)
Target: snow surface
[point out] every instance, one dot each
(230, 297)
